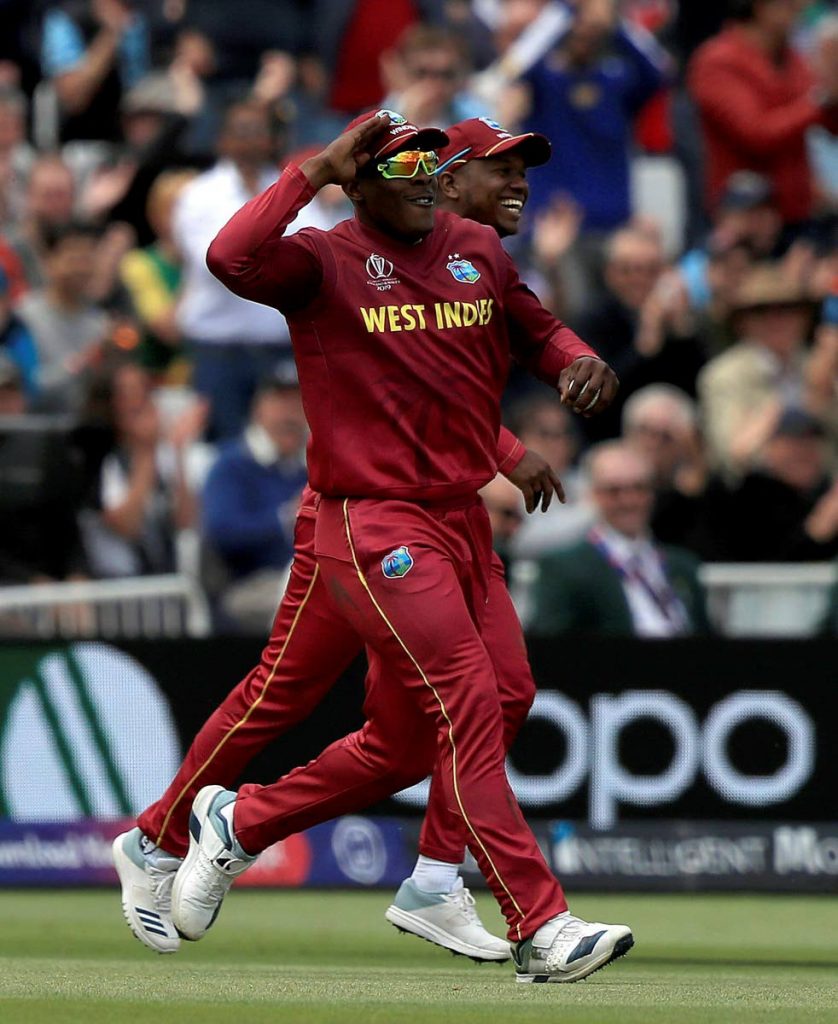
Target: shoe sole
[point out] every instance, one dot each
(409, 924)
(621, 947)
(124, 865)
(200, 810)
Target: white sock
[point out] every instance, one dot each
(431, 875)
(226, 813)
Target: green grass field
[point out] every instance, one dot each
(318, 957)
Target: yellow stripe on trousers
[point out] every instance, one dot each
(439, 700)
(245, 718)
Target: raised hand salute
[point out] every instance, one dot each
(340, 161)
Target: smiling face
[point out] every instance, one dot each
(492, 190)
(401, 207)
(621, 488)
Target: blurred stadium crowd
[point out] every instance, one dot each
(685, 227)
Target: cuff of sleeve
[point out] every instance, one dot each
(564, 350)
(295, 172)
(510, 451)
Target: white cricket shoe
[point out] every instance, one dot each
(146, 874)
(211, 866)
(448, 919)
(566, 948)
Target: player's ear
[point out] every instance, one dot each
(353, 192)
(448, 186)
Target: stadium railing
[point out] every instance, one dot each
(786, 599)
(743, 599)
(145, 606)
(783, 600)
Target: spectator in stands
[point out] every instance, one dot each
(757, 99)
(19, 66)
(16, 342)
(251, 55)
(742, 390)
(350, 40)
(823, 145)
(12, 267)
(662, 423)
(583, 95)
(49, 203)
(93, 51)
(39, 492)
(143, 495)
(543, 424)
(233, 342)
(236, 44)
(785, 509)
(154, 115)
(426, 75)
(821, 375)
(691, 25)
(12, 387)
(152, 276)
(69, 329)
(747, 214)
(550, 258)
(16, 156)
(641, 326)
(618, 580)
(251, 498)
(745, 217)
(747, 226)
(710, 279)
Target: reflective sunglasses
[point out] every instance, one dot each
(407, 163)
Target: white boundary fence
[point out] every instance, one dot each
(768, 600)
(743, 600)
(144, 606)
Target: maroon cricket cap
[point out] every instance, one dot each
(399, 133)
(479, 137)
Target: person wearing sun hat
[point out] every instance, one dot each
(739, 390)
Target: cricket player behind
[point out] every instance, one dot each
(403, 330)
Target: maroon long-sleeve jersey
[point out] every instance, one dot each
(402, 349)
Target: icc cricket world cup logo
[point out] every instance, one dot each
(378, 268)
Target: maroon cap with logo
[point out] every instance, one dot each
(399, 134)
(480, 137)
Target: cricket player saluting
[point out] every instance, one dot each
(310, 647)
(402, 331)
